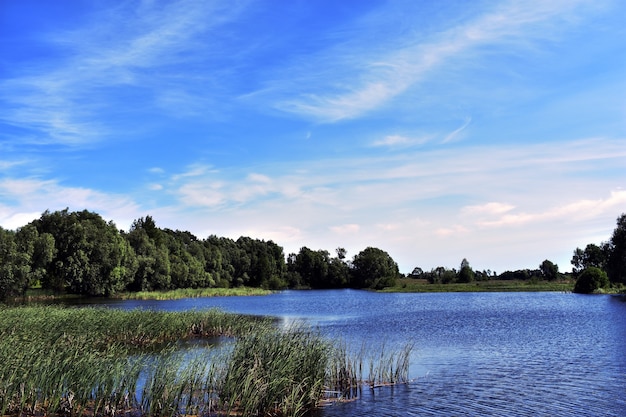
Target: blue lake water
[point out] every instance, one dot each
(475, 354)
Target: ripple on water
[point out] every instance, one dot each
(485, 354)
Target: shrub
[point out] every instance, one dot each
(590, 280)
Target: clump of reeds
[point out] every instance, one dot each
(60, 360)
(390, 367)
(344, 373)
(275, 372)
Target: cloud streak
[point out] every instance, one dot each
(63, 102)
(398, 64)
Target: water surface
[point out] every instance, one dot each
(476, 354)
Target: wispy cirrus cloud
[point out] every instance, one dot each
(77, 97)
(339, 83)
(400, 141)
(572, 211)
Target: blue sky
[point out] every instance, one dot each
(437, 131)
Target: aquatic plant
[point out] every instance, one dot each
(103, 362)
(191, 293)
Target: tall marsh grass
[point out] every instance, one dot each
(191, 293)
(103, 362)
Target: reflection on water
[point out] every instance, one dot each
(522, 354)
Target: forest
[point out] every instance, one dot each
(81, 253)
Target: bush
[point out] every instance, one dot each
(590, 280)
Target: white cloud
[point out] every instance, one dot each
(209, 195)
(346, 229)
(23, 197)
(452, 231)
(574, 211)
(260, 178)
(399, 141)
(488, 208)
(11, 220)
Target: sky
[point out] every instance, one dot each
(488, 130)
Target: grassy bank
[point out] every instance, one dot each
(38, 294)
(88, 361)
(420, 285)
(191, 293)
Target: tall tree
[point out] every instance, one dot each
(549, 270)
(88, 253)
(12, 268)
(593, 255)
(616, 264)
(466, 273)
(153, 263)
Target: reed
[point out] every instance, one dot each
(191, 293)
(103, 362)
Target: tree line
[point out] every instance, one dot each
(547, 271)
(81, 253)
(593, 268)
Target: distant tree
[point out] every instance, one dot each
(549, 270)
(590, 280)
(373, 268)
(416, 273)
(520, 274)
(466, 274)
(616, 264)
(593, 255)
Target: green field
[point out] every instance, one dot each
(191, 293)
(421, 285)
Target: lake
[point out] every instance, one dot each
(475, 354)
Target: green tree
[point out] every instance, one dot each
(549, 270)
(416, 273)
(373, 268)
(466, 273)
(88, 255)
(338, 273)
(312, 266)
(590, 280)
(13, 271)
(187, 269)
(264, 263)
(153, 263)
(593, 255)
(616, 264)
